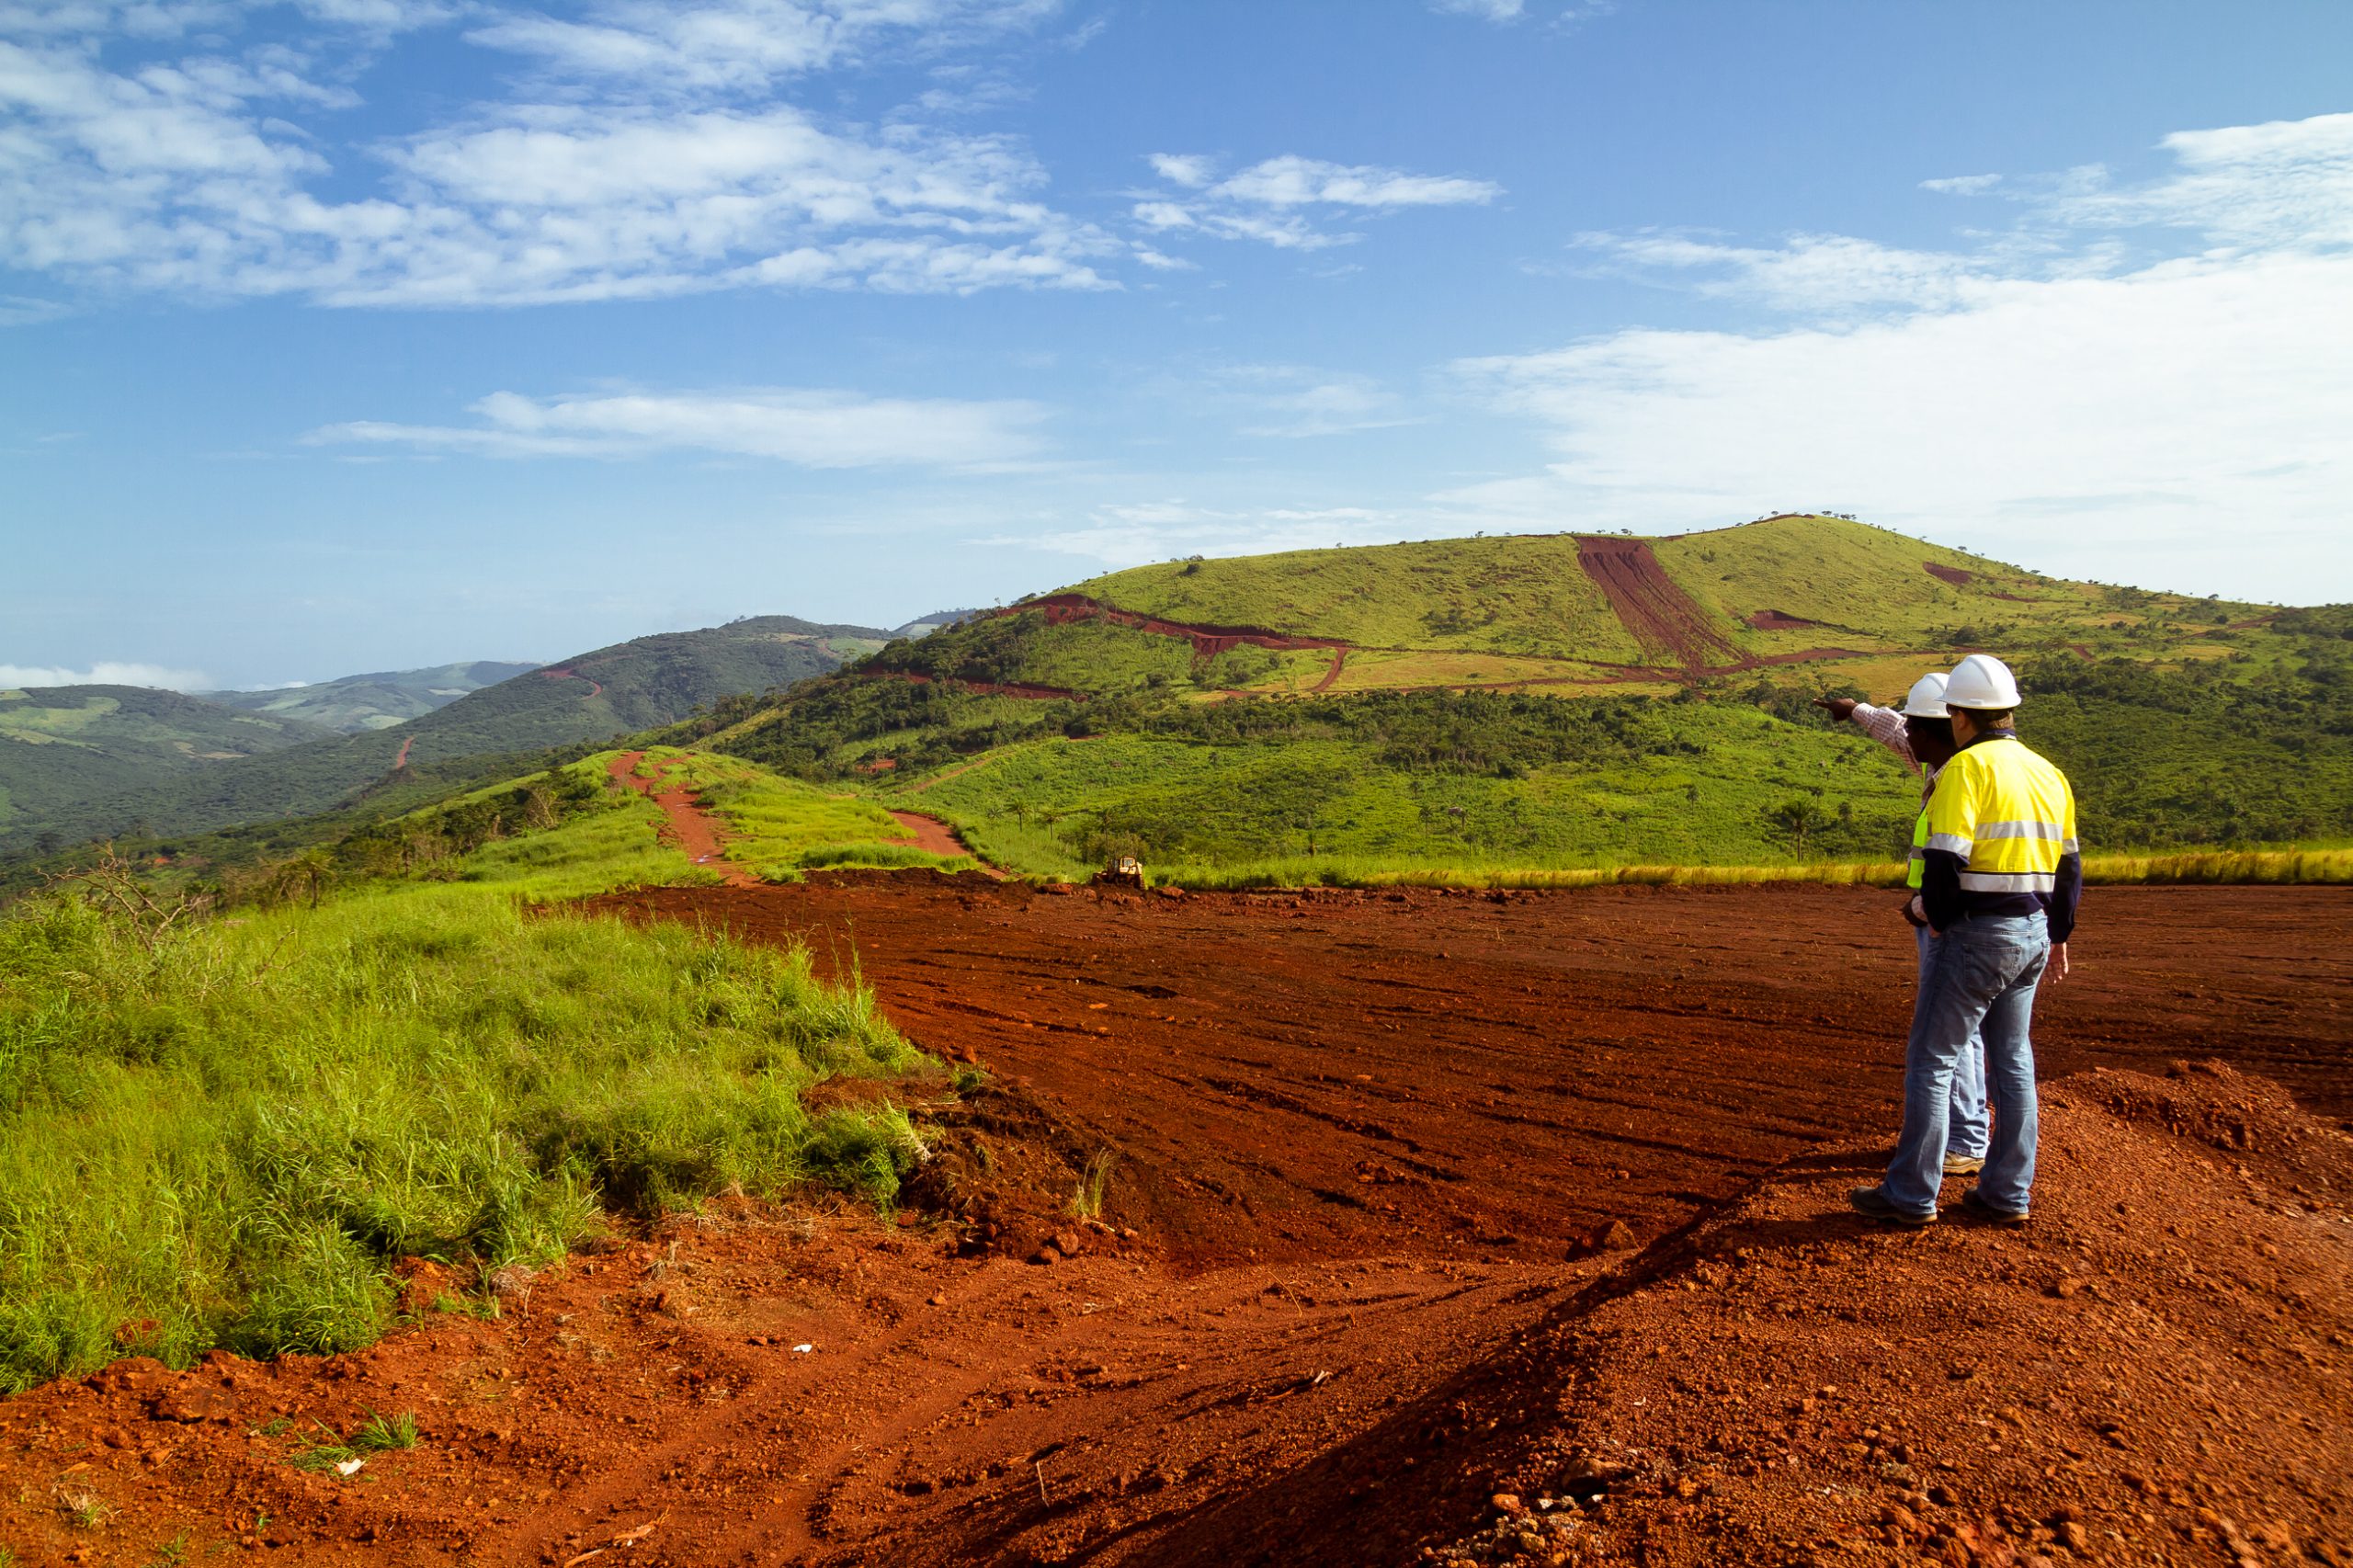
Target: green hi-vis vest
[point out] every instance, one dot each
(1918, 866)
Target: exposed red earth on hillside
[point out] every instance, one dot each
(595, 689)
(402, 760)
(1359, 1291)
(1774, 621)
(1208, 641)
(1659, 615)
(694, 831)
(937, 838)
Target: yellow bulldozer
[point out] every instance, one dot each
(1124, 871)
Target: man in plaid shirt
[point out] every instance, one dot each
(1921, 734)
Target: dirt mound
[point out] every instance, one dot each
(1660, 616)
(2153, 1371)
(1774, 621)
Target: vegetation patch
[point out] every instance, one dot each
(228, 1133)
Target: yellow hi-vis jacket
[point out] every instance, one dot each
(2007, 814)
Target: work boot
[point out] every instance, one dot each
(1984, 1211)
(1871, 1204)
(1963, 1165)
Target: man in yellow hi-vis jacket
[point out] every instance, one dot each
(2002, 877)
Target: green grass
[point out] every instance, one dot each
(233, 1134)
(1681, 784)
(776, 827)
(1515, 595)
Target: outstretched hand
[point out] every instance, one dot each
(1839, 706)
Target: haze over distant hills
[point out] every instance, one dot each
(378, 701)
(84, 762)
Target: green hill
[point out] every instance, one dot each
(378, 701)
(487, 734)
(61, 743)
(1404, 704)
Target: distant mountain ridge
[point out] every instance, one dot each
(375, 701)
(627, 686)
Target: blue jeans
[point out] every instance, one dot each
(1966, 1134)
(1980, 982)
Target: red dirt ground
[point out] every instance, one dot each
(692, 829)
(1208, 641)
(937, 838)
(1657, 614)
(401, 761)
(1774, 621)
(595, 689)
(1356, 1274)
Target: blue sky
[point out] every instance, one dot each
(342, 335)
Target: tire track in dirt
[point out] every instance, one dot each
(1659, 615)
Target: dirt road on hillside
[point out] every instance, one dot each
(1343, 1288)
(693, 830)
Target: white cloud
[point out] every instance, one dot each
(1188, 170)
(1294, 401)
(106, 671)
(1132, 533)
(1963, 184)
(183, 173)
(2049, 397)
(810, 429)
(1269, 201)
(740, 44)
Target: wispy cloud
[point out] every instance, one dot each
(106, 671)
(741, 44)
(1299, 400)
(2077, 368)
(1279, 200)
(636, 171)
(809, 428)
(1132, 533)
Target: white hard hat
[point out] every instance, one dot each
(1981, 681)
(1927, 697)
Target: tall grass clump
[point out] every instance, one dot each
(224, 1135)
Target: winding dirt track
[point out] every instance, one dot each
(1660, 616)
(1343, 1288)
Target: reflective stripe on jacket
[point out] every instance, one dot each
(2007, 814)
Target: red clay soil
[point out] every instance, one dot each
(1208, 641)
(1958, 576)
(401, 761)
(595, 689)
(1496, 1228)
(1659, 615)
(1774, 621)
(936, 837)
(691, 829)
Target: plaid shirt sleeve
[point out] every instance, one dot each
(1886, 726)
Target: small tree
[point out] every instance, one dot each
(1798, 819)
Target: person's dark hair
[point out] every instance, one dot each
(1989, 717)
(1930, 738)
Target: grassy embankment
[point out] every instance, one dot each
(777, 828)
(227, 1131)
